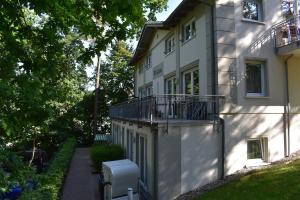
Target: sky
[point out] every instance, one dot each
(172, 4)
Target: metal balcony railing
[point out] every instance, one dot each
(167, 107)
(288, 31)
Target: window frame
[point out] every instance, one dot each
(143, 174)
(193, 30)
(191, 71)
(264, 148)
(260, 10)
(148, 62)
(171, 48)
(263, 75)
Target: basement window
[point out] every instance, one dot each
(257, 149)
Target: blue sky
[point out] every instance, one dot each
(172, 4)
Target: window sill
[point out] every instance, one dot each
(253, 21)
(256, 162)
(249, 96)
(167, 54)
(186, 41)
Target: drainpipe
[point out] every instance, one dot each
(216, 109)
(287, 108)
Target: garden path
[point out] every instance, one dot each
(80, 183)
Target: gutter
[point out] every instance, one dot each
(287, 109)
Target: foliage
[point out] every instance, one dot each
(50, 183)
(43, 57)
(13, 171)
(103, 153)
(279, 182)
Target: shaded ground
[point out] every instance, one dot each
(80, 183)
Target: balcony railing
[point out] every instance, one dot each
(288, 31)
(167, 107)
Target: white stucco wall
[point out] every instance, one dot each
(241, 127)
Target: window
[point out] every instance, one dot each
(169, 45)
(255, 78)
(147, 63)
(191, 82)
(129, 149)
(171, 85)
(141, 156)
(252, 9)
(149, 90)
(287, 8)
(171, 90)
(141, 69)
(257, 149)
(189, 30)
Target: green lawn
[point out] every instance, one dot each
(279, 182)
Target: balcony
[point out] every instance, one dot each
(167, 107)
(287, 38)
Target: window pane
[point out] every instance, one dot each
(250, 10)
(174, 86)
(187, 32)
(188, 83)
(196, 82)
(254, 79)
(254, 149)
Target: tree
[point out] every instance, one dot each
(43, 57)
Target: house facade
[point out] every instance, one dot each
(216, 92)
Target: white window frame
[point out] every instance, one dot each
(139, 136)
(193, 30)
(191, 71)
(264, 150)
(173, 85)
(170, 45)
(259, 11)
(263, 78)
(148, 62)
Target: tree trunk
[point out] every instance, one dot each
(96, 103)
(33, 152)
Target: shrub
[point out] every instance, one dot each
(103, 153)
(50, 183)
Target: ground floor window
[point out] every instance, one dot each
(141, 156)
(257, 149)
(129, 148)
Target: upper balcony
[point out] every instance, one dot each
(287, 38)
(163, 108)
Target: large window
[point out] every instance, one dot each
(191, 82)
(141, 156)
(257, 149)
(169, 45)
(129, 149)
(252, 9)
(189, 30)
(255, 78)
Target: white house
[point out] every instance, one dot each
(216, 86)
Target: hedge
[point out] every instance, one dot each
(103, 153)
(51, 182)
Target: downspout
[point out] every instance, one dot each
(287, 108)
(216, 109)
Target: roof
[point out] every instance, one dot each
(150, 28)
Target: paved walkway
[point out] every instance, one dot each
(80, 183)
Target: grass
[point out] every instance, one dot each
(277, 183)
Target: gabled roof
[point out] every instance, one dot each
(150, 27)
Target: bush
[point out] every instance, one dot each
(103, 153)
(50, 183)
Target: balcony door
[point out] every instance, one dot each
(171, 98)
